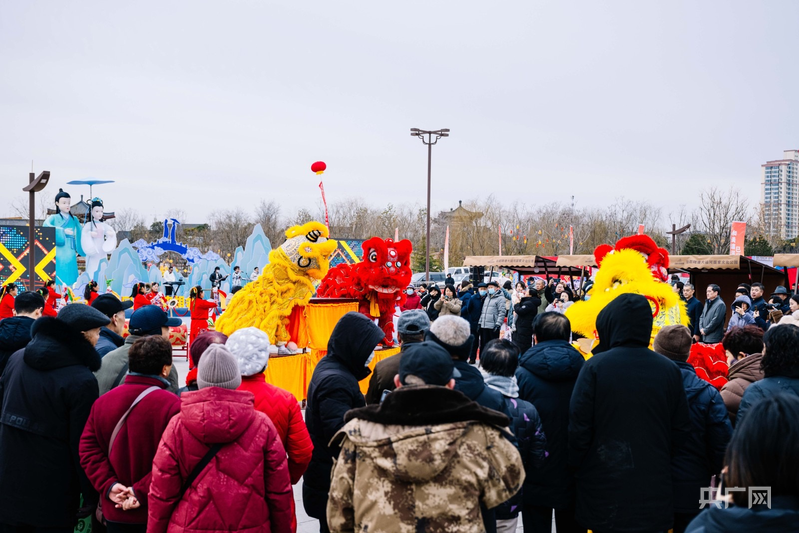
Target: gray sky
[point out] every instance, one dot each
(206, 104)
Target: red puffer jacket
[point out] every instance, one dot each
(283, 409)
(246, 485)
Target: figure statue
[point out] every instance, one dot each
(98, 238)
(67, 240)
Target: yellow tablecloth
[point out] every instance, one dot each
(293, 372)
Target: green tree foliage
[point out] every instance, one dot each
(697, 244)
(758, 246)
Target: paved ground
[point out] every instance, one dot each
(305, 524)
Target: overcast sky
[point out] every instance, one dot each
(203, 105)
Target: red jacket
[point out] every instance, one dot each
(132, 456)
(245, 487)
(49, 311)
(92, 297)
(283, 409)
(140, 301)
(53, 300)
(200, 308)
(7, 307)
(412, 302)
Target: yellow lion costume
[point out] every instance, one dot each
(286, 281)
(635, 265)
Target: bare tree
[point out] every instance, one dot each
(267, 214)
(19, 206)
(229, 230)
(717, 211)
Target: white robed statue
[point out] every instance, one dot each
(98, 239)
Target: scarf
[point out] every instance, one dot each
(191, 377)
(505, 385)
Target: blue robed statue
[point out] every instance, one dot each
(67, 240)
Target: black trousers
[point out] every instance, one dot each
(486, 335)
(539, 520)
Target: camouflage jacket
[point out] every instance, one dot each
(423, 460)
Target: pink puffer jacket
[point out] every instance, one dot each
(246, 485)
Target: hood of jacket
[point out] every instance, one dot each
(743, 299)
(783, 516)
(409, 441)
(471, 382)
(553, 361)
(15, 333)
(215, 415)
(747, 368)
(626, 321)
(353, 340)
(56, 345)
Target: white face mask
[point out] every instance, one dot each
(369, 359)
(409, 292)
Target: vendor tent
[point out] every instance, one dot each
(726, 271)
(524, 264)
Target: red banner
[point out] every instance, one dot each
(640, 229)
(737, 238)
(571, 240)
(327, 219)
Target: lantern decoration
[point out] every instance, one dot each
(318, 168)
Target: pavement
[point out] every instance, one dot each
(305, 524)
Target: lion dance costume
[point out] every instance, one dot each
(286, 281)
(378, 281)
(635, 265)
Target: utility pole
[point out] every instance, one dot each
(34, 185)
(429, 141)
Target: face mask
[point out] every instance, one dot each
(482, 293)
(369, 360)
(409, 292)
(491, 291)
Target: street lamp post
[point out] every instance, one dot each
(427, 138)
(34, 185)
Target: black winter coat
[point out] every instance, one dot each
(108, 342)
(526, 311)
(694, 308)
(531, 442)
(702, 455)
(428, 303)
(765, 388)
(546, 377)
(471, 309)
(333, 391)
(15, 334)
(47, 392)
(472, 385)
(628, 414)
(783, 516)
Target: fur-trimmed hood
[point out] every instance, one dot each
(56, 345)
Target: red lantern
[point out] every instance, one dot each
(319, 167)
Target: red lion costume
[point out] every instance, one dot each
(657, 258)
(379, 281)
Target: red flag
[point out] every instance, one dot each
(327, 219)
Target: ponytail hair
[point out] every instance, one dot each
(136, 288)
(4, 290)
(87, 292)
(194, 293)
(49, 283)
(44, 293)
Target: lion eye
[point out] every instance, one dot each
(399, 264)
(373, 256)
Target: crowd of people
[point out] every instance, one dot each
(487, 418)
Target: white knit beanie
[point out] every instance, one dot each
(250, 346)
(218, 368)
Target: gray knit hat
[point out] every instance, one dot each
(250, 347)
(218, 368)
(81, 317)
